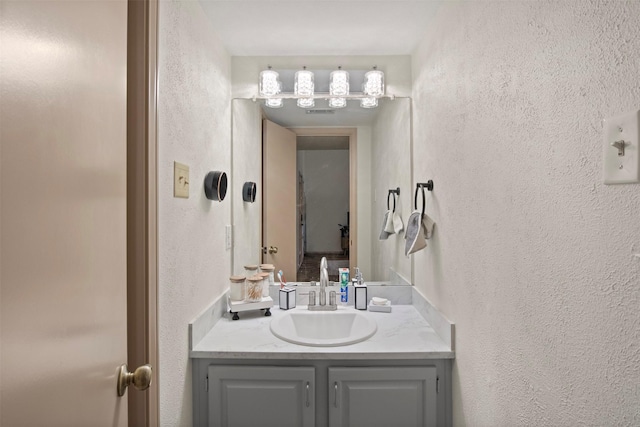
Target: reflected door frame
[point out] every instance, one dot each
(352, 133)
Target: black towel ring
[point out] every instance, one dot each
(394, 192)
(422, 185)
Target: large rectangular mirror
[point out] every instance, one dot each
(333, 172)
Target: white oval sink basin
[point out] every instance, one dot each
(323, 328)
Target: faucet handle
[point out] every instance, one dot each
(312, 298)
(332, 298)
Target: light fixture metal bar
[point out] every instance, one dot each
(322, 95)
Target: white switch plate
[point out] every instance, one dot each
(228, 237)
(180, 180)
(622, 169)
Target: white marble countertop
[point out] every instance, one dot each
(402, 334)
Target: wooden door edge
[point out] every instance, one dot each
(142, 269)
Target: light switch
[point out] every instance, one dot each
(620, 144)
(180, 180)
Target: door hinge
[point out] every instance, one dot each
(437, 385)
(206, 384)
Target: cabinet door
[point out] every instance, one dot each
(251, 396)
(370, 397)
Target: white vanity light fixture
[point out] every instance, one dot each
(338, 86)
(369, 102)
(275, 102)
(269, 82)
(374, 83)
(271, 85)
(373, 86)
(303, 88)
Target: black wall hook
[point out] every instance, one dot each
(422, 185)
(394, 192)
(428, 185)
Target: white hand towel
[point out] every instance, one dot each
(427, 226)
(383, 233)
(417, 232)
(388, 227)
(398, 225)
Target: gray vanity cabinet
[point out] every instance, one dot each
(261, 396)
(321, 393)
(388, 396)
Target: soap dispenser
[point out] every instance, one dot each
(359, 291)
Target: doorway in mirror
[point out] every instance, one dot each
(309, 270)
(323, 205)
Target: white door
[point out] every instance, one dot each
(280, 178)
(63, 219)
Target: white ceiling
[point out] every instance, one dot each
(320, 27)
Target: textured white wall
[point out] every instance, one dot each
(391, 168)
(326, 187)
(363, 201)
(194, 126)
(247, 166)
(532, 255)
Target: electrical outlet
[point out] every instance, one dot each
(180, 180)
(228, 237)
(621, 157)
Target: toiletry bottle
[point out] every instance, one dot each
(359, 278)
(344, 285)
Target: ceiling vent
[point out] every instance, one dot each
(321, 111)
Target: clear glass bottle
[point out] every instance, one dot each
(237, 288)
(250, 270)
(254, 289)
(265, 283)
(269, 268)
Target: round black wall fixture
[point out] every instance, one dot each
(249, 192)
(215, 185)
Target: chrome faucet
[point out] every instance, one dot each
(323, 264)
(322, 299)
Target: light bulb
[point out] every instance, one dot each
(339, 82)
(306, 102)
(337, 102)
(269, 83)
(374, 83)
(303, 83)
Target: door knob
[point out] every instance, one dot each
(273, 249)
(140, 378)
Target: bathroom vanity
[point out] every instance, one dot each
(243, 375)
